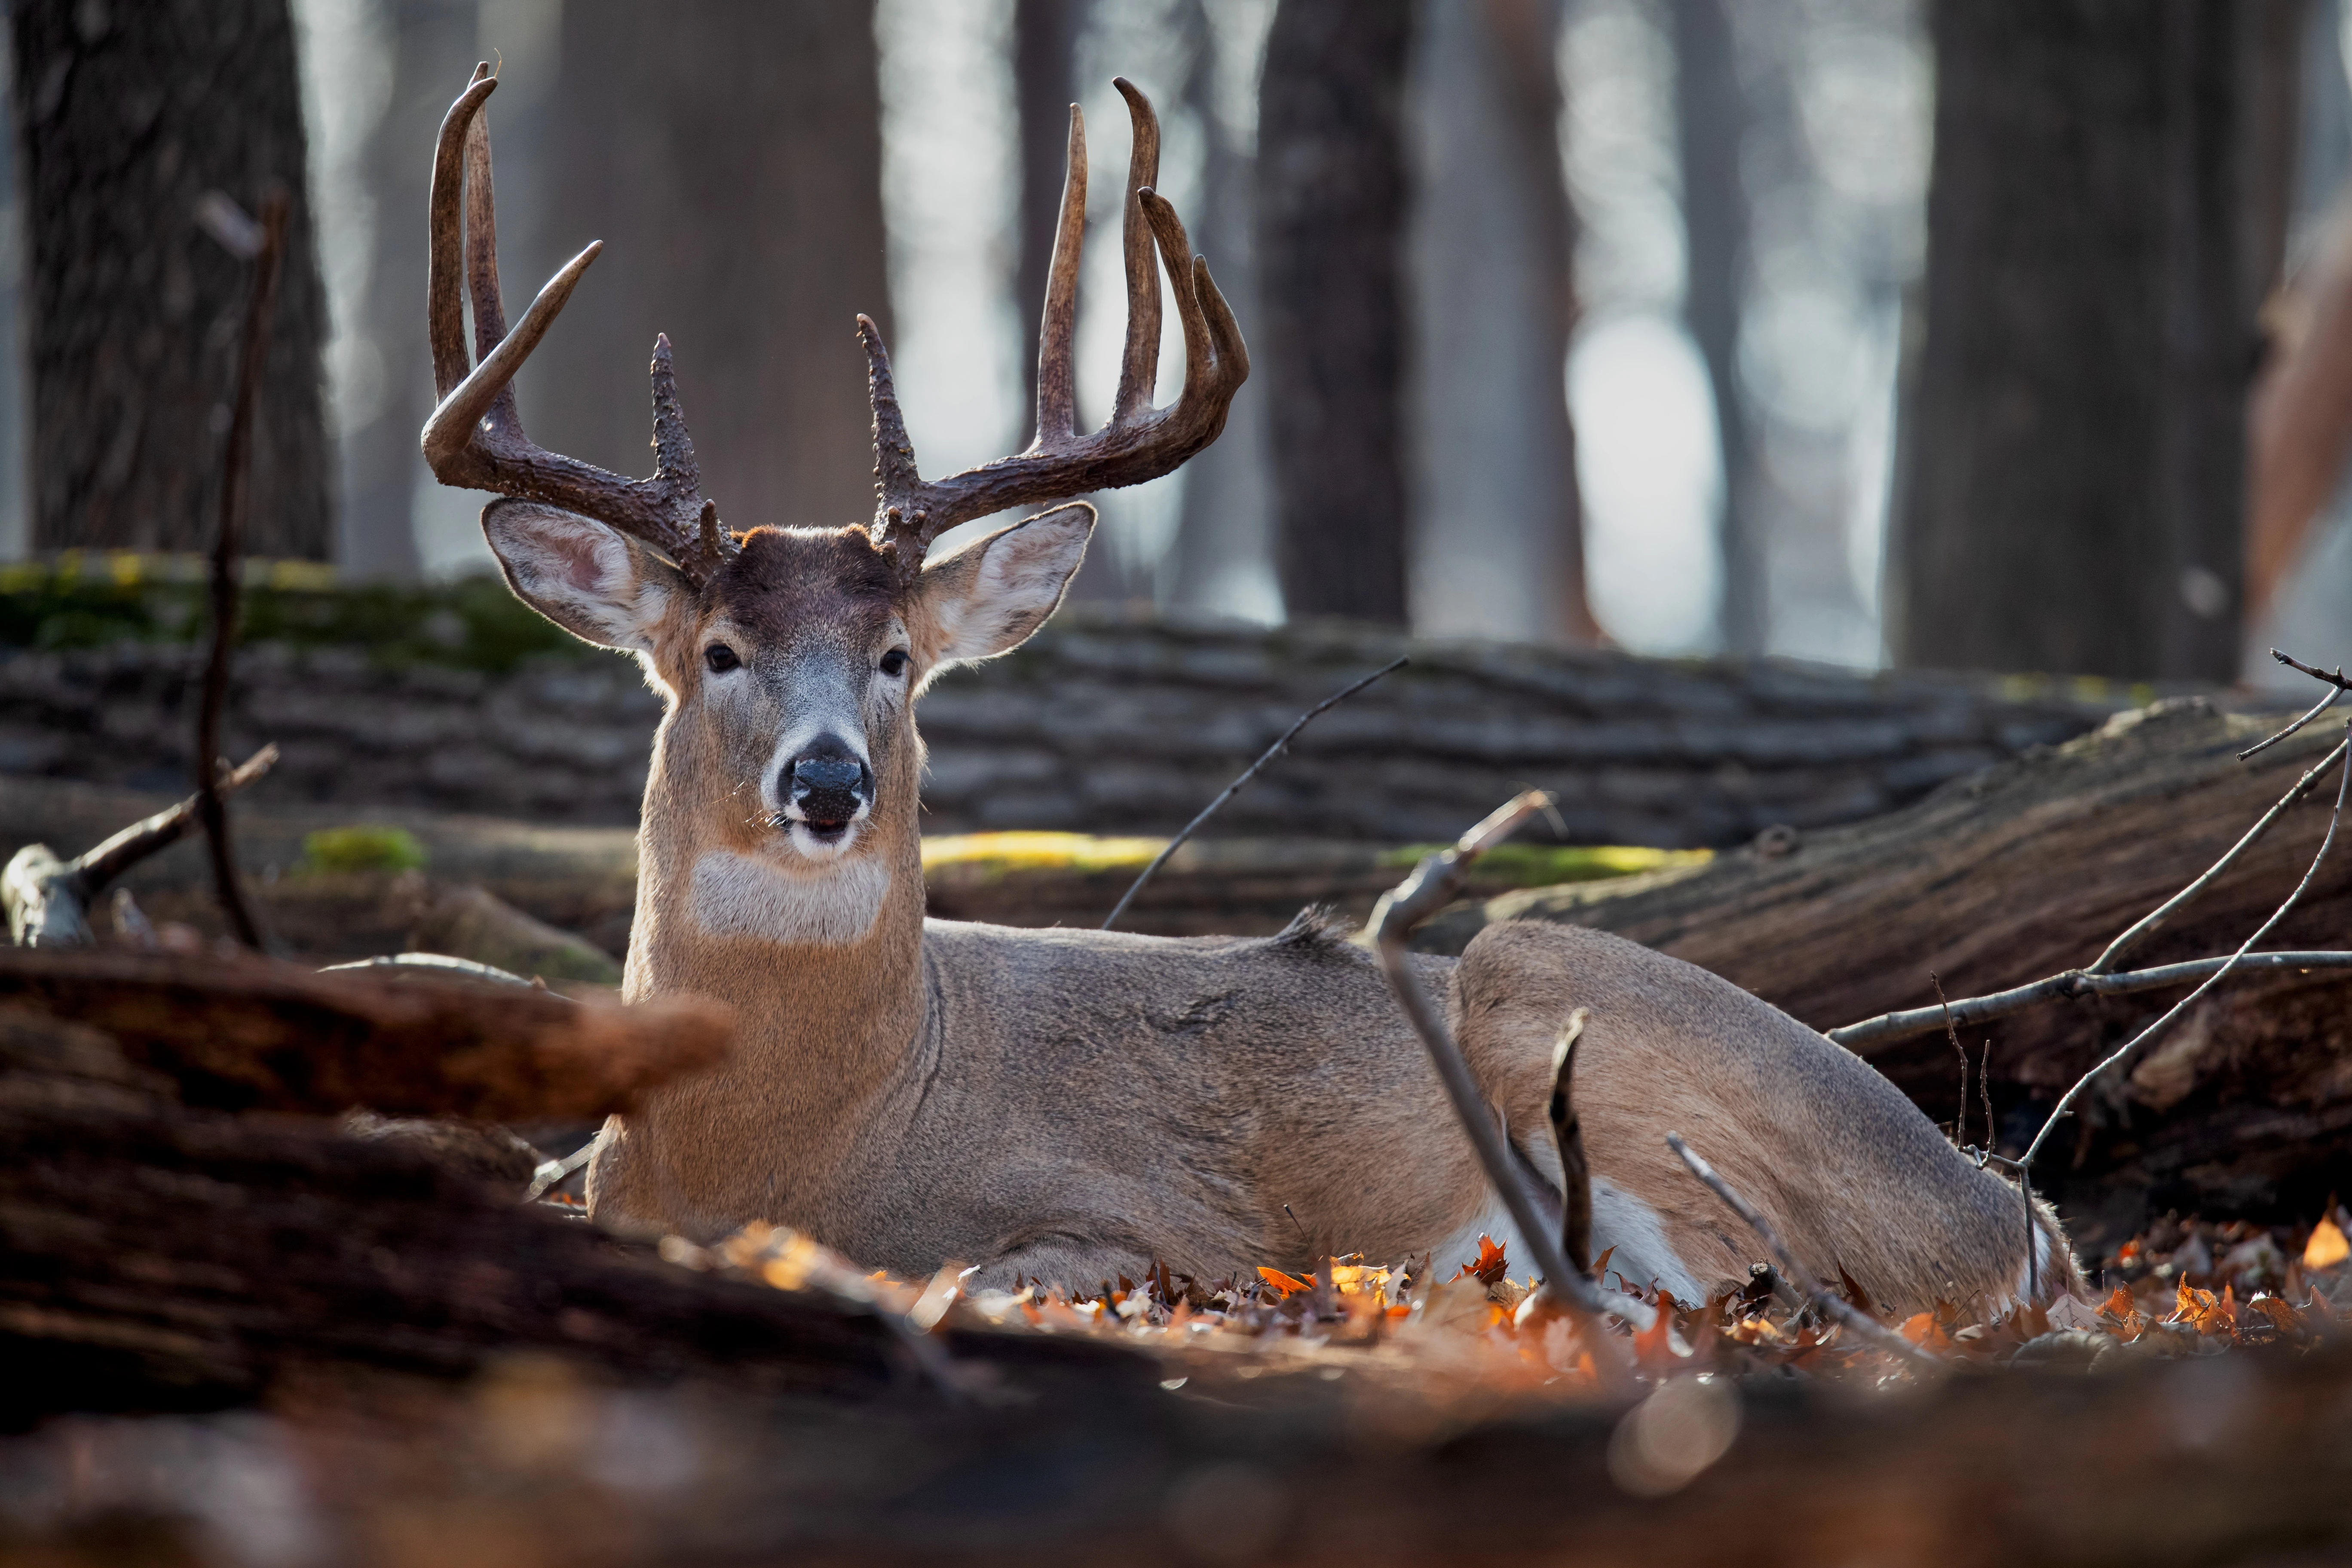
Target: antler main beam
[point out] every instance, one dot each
(1140, 442)
(474, 439)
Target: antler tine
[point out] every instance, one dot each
(445, 303)
(473, 437)
(1139, 367)
(1140, 442)
(482, 248)
(1057, 391)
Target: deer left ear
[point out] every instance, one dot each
(600, 585)
(989, 596)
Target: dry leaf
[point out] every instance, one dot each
(2327, 1248)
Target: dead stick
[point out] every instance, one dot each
(210, 811)
(2150, 924)
(1827, 1300)
(1433, 884)
(2076, 983)
(1248, 774)
(48, 900)
(2123, 1052)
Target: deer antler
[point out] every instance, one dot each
(1140, 442)
(475, 439)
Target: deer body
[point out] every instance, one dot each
(1071, 1105)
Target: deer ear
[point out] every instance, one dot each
(986, 598)
(601, 586)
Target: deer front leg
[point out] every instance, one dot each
(1070, 1263)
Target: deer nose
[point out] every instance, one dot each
(829, 782)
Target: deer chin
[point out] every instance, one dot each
(788, 899)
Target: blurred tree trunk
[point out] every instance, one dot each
(1331, 214)
(1222, 556)
(2105, 214)
(434, 49)
(125, 115)
(728, 154)
(1713, 118)
(1045, 85)
(1499, 545)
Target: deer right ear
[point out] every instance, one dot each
(601, 586)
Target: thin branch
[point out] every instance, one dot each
(1433, 884)
(1248, 774)
(2075, 982)
(2335, 678)
(107, 860)
(2066, 1101)
(1952, 1033)
(1826, 1301)
(48, 900)
(2266, 742)
(210, 811)
(2156, 918)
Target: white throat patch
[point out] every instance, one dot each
(746, 895)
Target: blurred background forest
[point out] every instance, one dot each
(1993, 334)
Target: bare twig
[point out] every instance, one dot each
(2335, 678)
(1568, 1134)
(48, 900)
(1952, 1033)
(1826, 1301)
(2075, 983)
(1433, 884)
(2236, 959)
(2267, 741)
(210, 811)
(1248, 774)
(2150, 924)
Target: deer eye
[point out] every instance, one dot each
(720, 657)
(893, 663)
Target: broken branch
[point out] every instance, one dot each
(1433, 884)
(2236, 959)
(210, 811)
(48, 900)
(2075, 983)
(1823, 1297)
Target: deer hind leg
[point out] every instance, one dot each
(1507, 1018)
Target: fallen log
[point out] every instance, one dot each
(152, 1256)
(238, 1032)
(2023, 871)
(584, 881)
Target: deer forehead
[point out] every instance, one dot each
(807, 587)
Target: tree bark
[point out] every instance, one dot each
(1500, 546)
(728, 154)
(1045, 85)
(1223, 557)
(1331, 211)
(434, 49)
(1711, 114)
(125, 116)
(2028, 869)
(2102, 223)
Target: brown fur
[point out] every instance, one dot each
(1073, 1105)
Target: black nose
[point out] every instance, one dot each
(828, 783)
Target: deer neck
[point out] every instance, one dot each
(823, 963)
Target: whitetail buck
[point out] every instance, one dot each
(1071, 1105)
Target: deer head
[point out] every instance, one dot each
(791, 656)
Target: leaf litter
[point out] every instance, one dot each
(1481, 1340)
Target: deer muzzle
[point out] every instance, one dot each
(825, 788)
